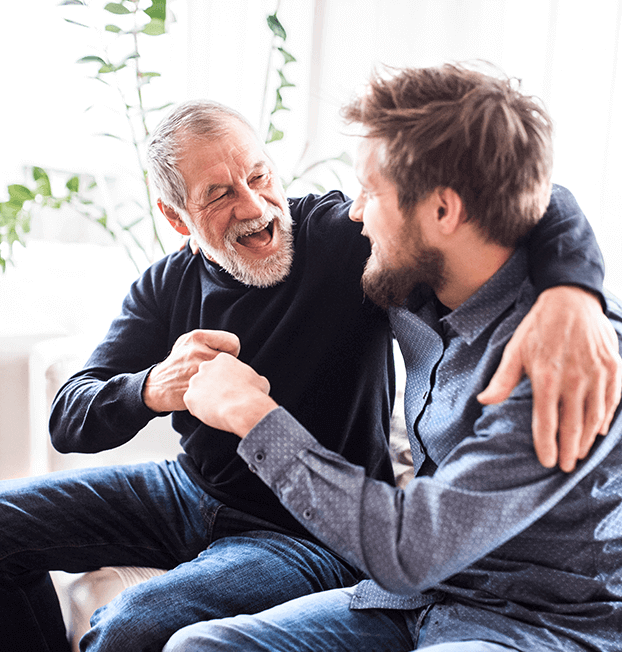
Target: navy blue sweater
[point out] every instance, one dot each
(325, 349)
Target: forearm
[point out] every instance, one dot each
(413, 539)
(90, 415)
(563, 249)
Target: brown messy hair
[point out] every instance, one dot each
(458, 128)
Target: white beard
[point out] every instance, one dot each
(258, 273)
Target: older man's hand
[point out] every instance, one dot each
(168, 381)
(569, 350)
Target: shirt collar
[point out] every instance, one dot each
(473, 316)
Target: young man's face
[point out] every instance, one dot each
(399, 258)
(236, 209)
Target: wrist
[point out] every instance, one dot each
(150, 395)
(250, 414)
(561, 292)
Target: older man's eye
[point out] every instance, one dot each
(218, 197)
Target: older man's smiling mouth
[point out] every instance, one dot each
(259, 238)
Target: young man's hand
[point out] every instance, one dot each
(569, 350)
(229, 395)
(168, 381)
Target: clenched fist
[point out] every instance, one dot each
(168, 381)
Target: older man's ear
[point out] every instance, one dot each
(173, 217)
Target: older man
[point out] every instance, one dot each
(485, 549)
(277, 284)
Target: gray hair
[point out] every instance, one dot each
(193, 119)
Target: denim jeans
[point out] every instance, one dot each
(225, 562)
(318, 623)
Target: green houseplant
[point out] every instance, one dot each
(119, 64)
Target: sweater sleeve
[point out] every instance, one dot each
(563, 248)
(101, 407)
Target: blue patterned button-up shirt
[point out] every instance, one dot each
(505, 549)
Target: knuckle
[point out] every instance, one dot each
(612, 365)
(575, 378)
(546, 380)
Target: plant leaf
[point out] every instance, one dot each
(75, 22)
(284, 82)
(90, 58)
(19, 193)
(116, 8)
(112, 28)
(43, 186)
(108, 67)
(145, 78)
(319, 187)
(9, 212)
(278, 105)
(107, 135)
(275, 25)
(157, 11)
(274, 134)
(154, 28)
(287, 57)
(344, 157)
(71, 2)
(73, 185)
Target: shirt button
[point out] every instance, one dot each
(260, 456)
(307, 514)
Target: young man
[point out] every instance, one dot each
(284, 297)
(485, 549)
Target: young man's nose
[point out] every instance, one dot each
(356, 210)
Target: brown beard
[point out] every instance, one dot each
(391, 287)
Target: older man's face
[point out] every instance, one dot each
(237, 209)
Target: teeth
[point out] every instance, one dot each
(257, 230)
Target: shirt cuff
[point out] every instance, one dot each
(273, 445)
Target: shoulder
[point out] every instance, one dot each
(323, 212)
(562, 206)
(159, 284)
(304, 207)
(323, 222)
(168, 269)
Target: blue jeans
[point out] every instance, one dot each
(225, 562)
(318, 623)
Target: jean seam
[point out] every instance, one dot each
(209, 517)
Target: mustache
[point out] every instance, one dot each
(271, 215)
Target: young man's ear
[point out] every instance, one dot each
(450, 211)
(173, 218)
